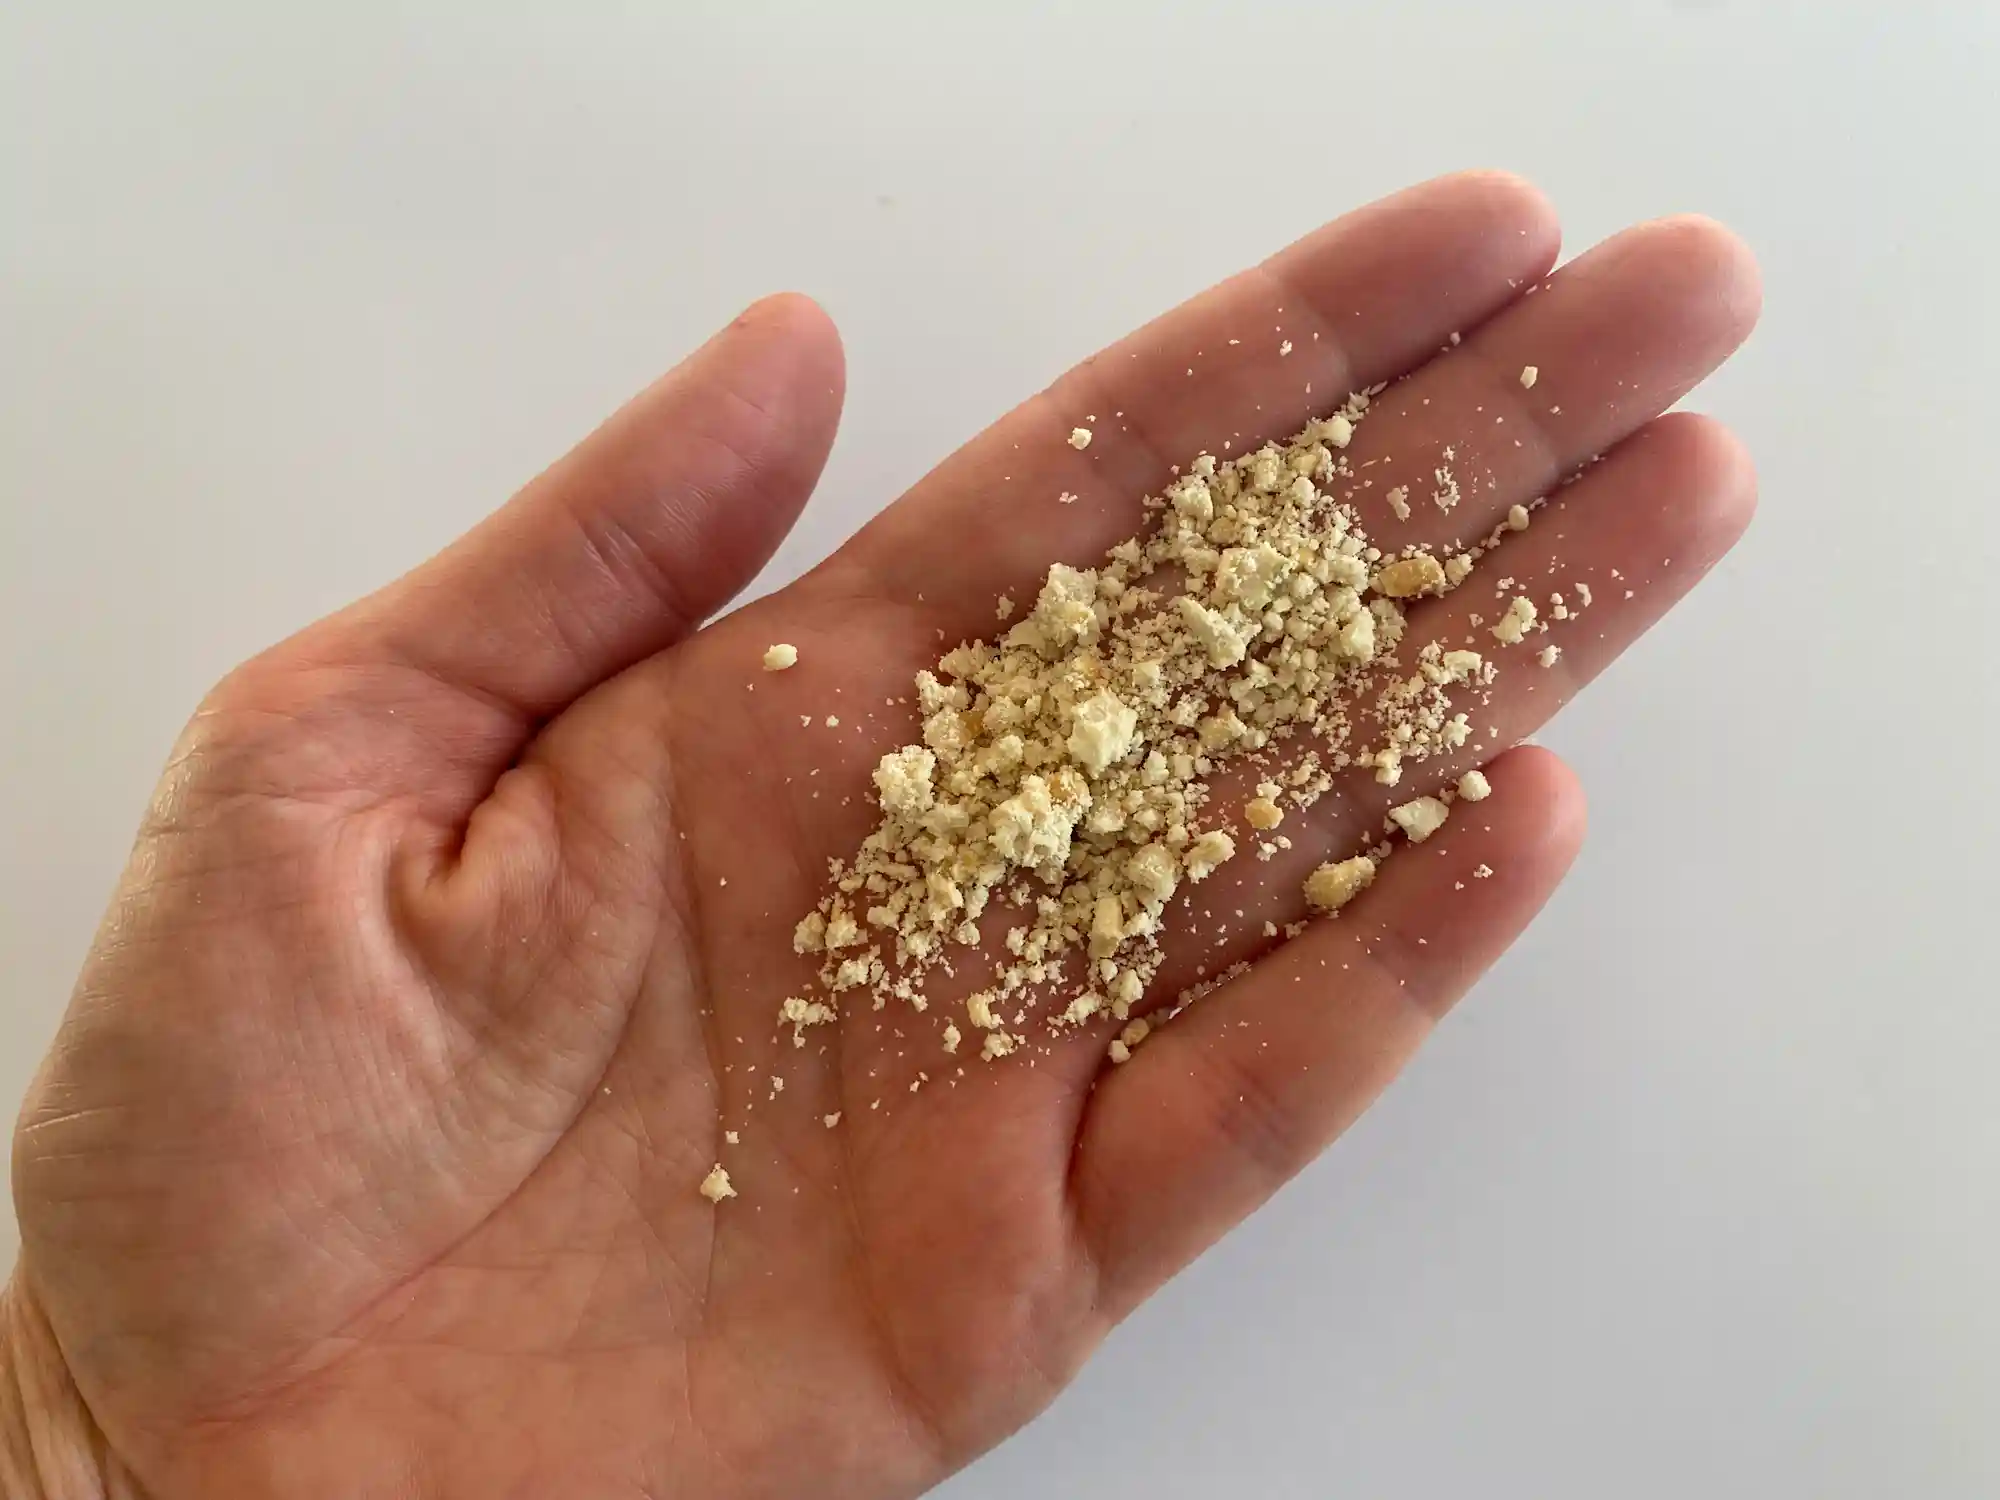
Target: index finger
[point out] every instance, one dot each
(1358, 302)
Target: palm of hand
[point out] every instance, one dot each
(367, 1160)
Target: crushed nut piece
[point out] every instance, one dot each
(1079, 438)
(780, 656)
(1516, 623)
(1410, 576)
(715, 1186)
(1529, 375)
(1207, 853)
(1474, 787)
(1421, 818)
(1332, 886)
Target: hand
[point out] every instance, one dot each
(366, 1160)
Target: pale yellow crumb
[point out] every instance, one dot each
(1529, 375)
(1474, 787)
(715, 1186)
(1079, 438)
(732, 1138)
(1262, 812)
(1332, 886)
(1420, 817)
(829, 1121)
(1407, 577)
(1515, 624)
(1207, 853)
(1550, 655)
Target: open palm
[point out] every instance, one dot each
(451, 952)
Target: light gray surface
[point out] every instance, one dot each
(1699, 1194)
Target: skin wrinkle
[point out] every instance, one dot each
(903, 1392)
(680, 526)
(389, 1295)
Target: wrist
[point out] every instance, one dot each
(50, 1448)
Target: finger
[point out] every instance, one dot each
(1356, 303)
(1650, 520)
(1612, 340)
(1631, 537)
(1237, 1094)
(650, 525)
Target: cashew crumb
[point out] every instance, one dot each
(715, 1186)
(1263, 813)
(1332, 886)
(780, 656)
(1515, 624)
(1529, 375)
(1474, 787)
(1079, 438)
(1410, 576)
(1421, 818)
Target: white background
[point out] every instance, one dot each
(1699, 1195)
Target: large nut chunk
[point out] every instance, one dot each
(1101, 732)
(1332, 886)
(1225, 647)
(903, 781)
(1408, 577)
(1420, 818)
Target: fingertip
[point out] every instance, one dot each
(1503, 209)
(1544, 802)
(797, 326)
(1714, 477)
(1513, 198)
(1705, 254)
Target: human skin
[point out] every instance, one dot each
(365, 1161)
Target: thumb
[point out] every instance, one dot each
(647, 527)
